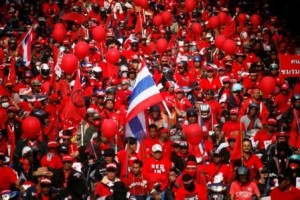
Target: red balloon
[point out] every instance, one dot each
(1, 55)
(219, 41)
(81, 50)
(242, 18)
(137, 2)
(99, 33)
(193, 133)
(166, 17)
(109, 128)
(59, 34)
(189, 5)
(255, 20)
(151, 47)
(214, 22)
(161, 45)
(229, 47)
(222, 16)
(31, 127)
(144, 4)
(113, 56)
(267, 85)
(69, 63)
(157, 20)
(197, 28)
(59, 25)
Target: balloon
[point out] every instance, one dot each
(1, 55)
(137, 2)
(166, 17)
(242, 18)
(255, 20)
(59, 25)
(151, 47)
(197, 28)
(31, 127)
(267, 85)
(214, 22)
(189, 5)
(219, 41)
(193, 133)
(157, 20)
(59, 34)
(144, 4)
(229, 47)
(109, 128)
(161, 45)
(69, 63)
(113, 56)
(81, 50)
(98, 33)
(222, 16)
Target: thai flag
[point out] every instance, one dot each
(144, 94)
(26, 45)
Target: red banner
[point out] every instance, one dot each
(290, 65)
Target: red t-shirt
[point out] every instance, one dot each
(243, 192)
(253, 164)
(7, 177)
(292, 194)
(211, 170)
(231, 129)
(264, 139)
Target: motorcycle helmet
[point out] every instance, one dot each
(273, 66)
(295, 97)
(295, 158)
(205, 110)
(63, 148)
(236, 87)
(40, 114)
(253, 105)
(242, 171)
(155, 109)
(45, 70)
(191, 113)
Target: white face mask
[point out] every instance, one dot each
(5, 104)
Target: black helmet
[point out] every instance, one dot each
(155, 108)
(242, 171)
(295, 97)
(40, 114)
(191, 113)
(63, 148)
(254, 105)
(45, 70)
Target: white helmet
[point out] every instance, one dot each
(96, 69)
(205, 110)
(26, 150)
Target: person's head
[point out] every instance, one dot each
(184, 147)
(233, 114)
(253, 109)
(256, 94)
(67, 162)
(284, 180)
(5, 101)
(191, 166)
(156, 151)
(109, 155)
(52, 146)
(231, 142)
(243, 174)
(109, 104)
(296, 101)
(192, 116)
(11, 112)
(217, 158)
(247, 145)
(294, 162)
(45, 186)
(188, 182)
(155, 111)
(274, 69)
(282, 137)
(179, 93)
(163, 133)
(205, 110)
(271, 125)
(210, 72)
(209, 94)
(136, 167)
(283, 150)
(111, 170)
(236, 88)
(42, 172)
(132, 143)
(152, 130)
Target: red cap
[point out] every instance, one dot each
(234, 111)
(271, 121)
(52, 144)
(111, 166)
(67, 158)
(191, 163)
(285, 86)
(177, 90)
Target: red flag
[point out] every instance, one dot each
(138, 25)
(237, 149)
(230, 29)
(75, 109)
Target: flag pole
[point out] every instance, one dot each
(167, 109)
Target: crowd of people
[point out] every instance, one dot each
(250, 144)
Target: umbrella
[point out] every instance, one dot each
(74, 17)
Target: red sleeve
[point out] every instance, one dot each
(12, 176)
(202, 193)
(258, 163)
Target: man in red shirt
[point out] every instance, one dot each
(285, 190)
(267, 136)
(190, 189)
(8, 176)
(232, 128)
(156, 168)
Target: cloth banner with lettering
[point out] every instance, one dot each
(290, 65)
